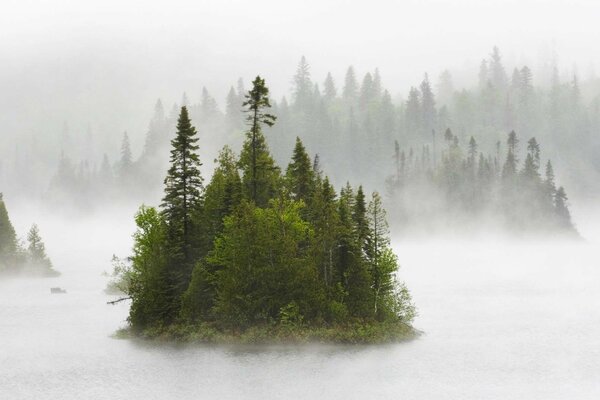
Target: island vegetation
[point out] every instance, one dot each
(19, 259)
(260, 254)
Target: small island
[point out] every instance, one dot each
(260, 255)
(18, 260)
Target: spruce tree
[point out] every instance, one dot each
(300, 175)
(260, 174)
(183, 198)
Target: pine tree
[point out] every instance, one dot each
(300, 175)
(260, 175)
(183, 197)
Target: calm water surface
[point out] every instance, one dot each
(500, 321)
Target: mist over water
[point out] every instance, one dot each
(500, 319)
(504, 314)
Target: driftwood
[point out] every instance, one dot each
(118, 300)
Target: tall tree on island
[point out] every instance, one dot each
(183, 198)
(260, 174)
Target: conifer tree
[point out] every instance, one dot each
(36, 252)
(350, 90)
(300, 175)
(126, 161)
(183, 197)
(427, 106)
(302, 85)
(8, 238)
(260, 175)
(359, 215)
(330, 92)
(562, 208)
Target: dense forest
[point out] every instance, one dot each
(353, 127)
(15, 258)
(261, 249)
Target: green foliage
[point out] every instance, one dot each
(8, 239)
(153, 286)
(260, 175)
(183, 197)
(272, 255)
(264, 264)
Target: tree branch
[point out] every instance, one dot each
(118, 300)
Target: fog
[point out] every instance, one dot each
(502, 265)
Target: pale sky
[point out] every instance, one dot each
(65, 57)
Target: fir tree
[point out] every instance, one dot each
(183, 197)
(300, 175)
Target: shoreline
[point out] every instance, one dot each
(350, 334)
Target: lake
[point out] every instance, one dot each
(500, 321)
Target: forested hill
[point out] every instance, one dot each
(261, 253)
(352, 123)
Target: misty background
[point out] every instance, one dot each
(74, 70)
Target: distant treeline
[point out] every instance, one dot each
(468, 186)
(18, 259)
(353, 126)
(262, 247)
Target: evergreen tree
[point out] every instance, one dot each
(36, 252)
(562, 209)
(380, 259)
(300, 175)
(126, 161)
(8, 239)
(350, 86)
(330, 89)
(260, 175)
(428, 111)
(183, 197)
(303, 85)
